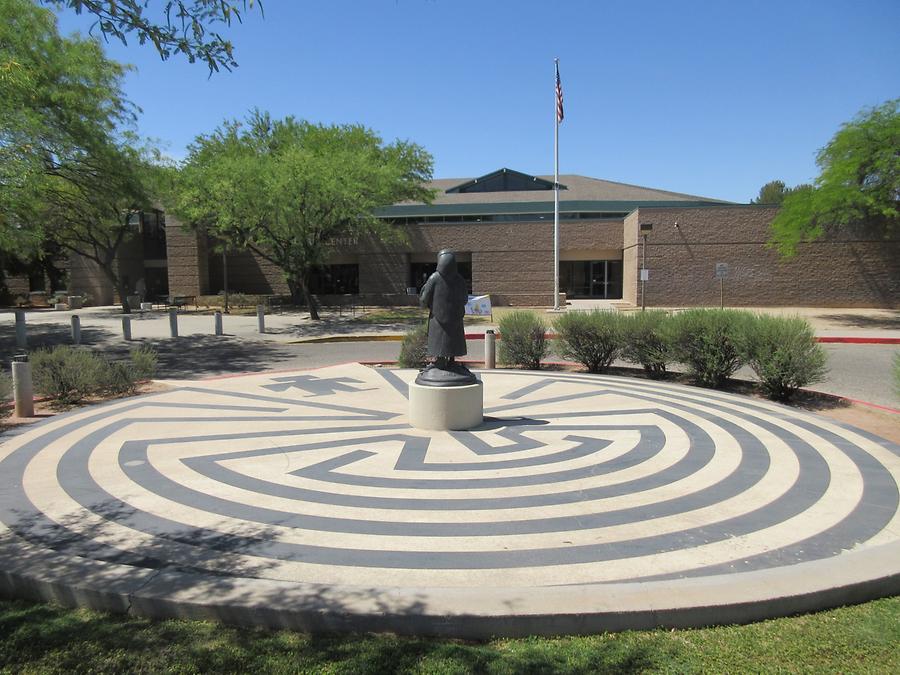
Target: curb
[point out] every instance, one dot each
(850, 340)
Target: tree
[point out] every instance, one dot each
(286, 189)
(90, 217)
(858, 183)
(69, 167)
(179, 26)
(772, 192)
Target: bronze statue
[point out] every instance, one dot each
(445, 294)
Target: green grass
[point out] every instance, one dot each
(48, 639)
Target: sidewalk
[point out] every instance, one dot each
(291, 326)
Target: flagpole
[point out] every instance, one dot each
(556, 194)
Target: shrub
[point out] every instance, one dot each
(144, 361)
(783, 353)
(522, 340)
(5, 395)
(67, 374)
(708, 342)
(647, 338)
(594, 339)
(122, 377)
(70, 375)
(413, 351)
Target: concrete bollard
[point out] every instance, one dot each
(261, 318)
(218, 323)
(490, 349)
(76, 330)
(21, 335)
(173, 322)
(126, 327)
(22, 386)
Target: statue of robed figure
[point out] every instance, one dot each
(445, 294)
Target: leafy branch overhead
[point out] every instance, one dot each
(858, 187)
(176, 27)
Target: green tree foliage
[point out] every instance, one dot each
(70, 167)
(858, 186)
(289, 190)
(772, 192)
(177, 26)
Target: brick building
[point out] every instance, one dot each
(501, 226)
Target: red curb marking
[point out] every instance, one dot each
(829, 339)
(861, 340)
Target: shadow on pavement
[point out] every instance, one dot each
(49, 335)
(198, 356)
(862, 321)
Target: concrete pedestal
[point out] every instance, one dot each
(446, 408)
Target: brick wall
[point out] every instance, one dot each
(845, 270)
(188, 257)
(86, 278)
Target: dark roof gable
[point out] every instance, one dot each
(503, 180)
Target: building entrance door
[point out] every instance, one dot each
(598, 279)
(591, 278)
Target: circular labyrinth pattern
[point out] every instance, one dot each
(316, 477)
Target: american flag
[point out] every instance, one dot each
(559, 97)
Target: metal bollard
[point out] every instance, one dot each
(261, 318)
(126, 327)
(173, 322)
(490, 349)
(76, 330)
(22, 386)
(21, 335)
(218, 323)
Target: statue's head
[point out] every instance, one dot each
(446, 262)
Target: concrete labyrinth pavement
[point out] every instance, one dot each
(583, 503)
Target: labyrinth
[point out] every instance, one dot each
(307, 494)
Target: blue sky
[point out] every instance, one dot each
(709, 98)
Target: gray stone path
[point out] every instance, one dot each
(584, 502)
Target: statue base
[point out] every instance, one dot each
(448, 374)
(446, 408)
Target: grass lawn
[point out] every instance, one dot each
(45, 638)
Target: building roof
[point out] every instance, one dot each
(577, 193)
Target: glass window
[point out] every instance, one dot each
(335, 280)
(419, 273)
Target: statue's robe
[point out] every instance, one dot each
(445, 294)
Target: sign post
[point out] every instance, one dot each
(645, 229)
(721, 273)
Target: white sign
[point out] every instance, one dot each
(479, 305)
(645, 275)
(721, 270)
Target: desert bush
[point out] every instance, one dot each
(144, 362)
(5, 395)
(122, 377)
(708, 342)
(783, 353)
(647, 341)
(522, 340)
(594, 339)
(70, 375)
(67, 374)
(413, 351)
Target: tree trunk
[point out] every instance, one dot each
(119, 286)
(300, 288)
